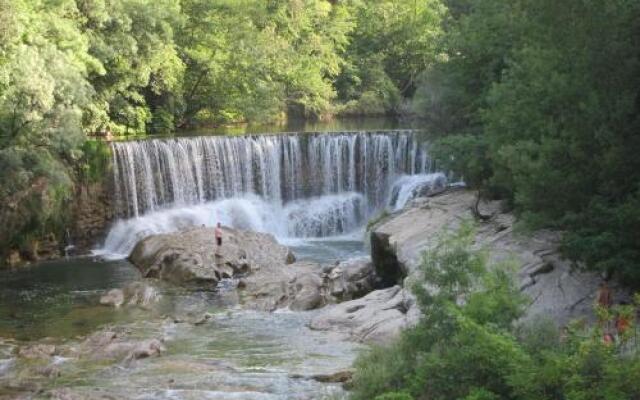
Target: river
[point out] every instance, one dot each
(313, 192)
(237, 354)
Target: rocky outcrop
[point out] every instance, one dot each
(555, 287)
(93, 212)
(398, 240)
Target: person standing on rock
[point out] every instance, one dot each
(219, 234)
(604, 296)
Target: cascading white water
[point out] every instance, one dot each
(161, 173)
(296, 185)
(408, 187)
(316, 217)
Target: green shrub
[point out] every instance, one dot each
(381, 370)
(466, 345)
(95, 162)
(394, 396)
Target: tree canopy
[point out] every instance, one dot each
(539, 103)
(69, 68)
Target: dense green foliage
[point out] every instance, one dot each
(394, 41)
(466, 345)
(540, 104)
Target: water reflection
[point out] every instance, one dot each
(59, 299)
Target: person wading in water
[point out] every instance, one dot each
(218, 236)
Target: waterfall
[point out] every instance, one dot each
(160, 173)
(408, 187)
(292, 185)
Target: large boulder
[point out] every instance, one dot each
(192, 258)
(306, 285)
(118, 346)
(377, 317)
(351, 279)
(298, 286)
(307, 292)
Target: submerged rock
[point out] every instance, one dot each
(338, 377)
(37, 351)
(195, 320)
(140, 294)
(145, 349)
(74, 394)
(113, 298)
(135, 294)
(117, 346)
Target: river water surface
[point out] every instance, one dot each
(237, 354)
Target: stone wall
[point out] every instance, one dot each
(92, 216)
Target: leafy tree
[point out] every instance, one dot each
(254, 60)
(134, 42)
(43, 91)
(539, 104)
(393, 42)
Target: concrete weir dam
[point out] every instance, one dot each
(299, 187)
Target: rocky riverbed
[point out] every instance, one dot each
(158, 340)
(183, 320)
(261, 272)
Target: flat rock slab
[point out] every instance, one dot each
(377, 317)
